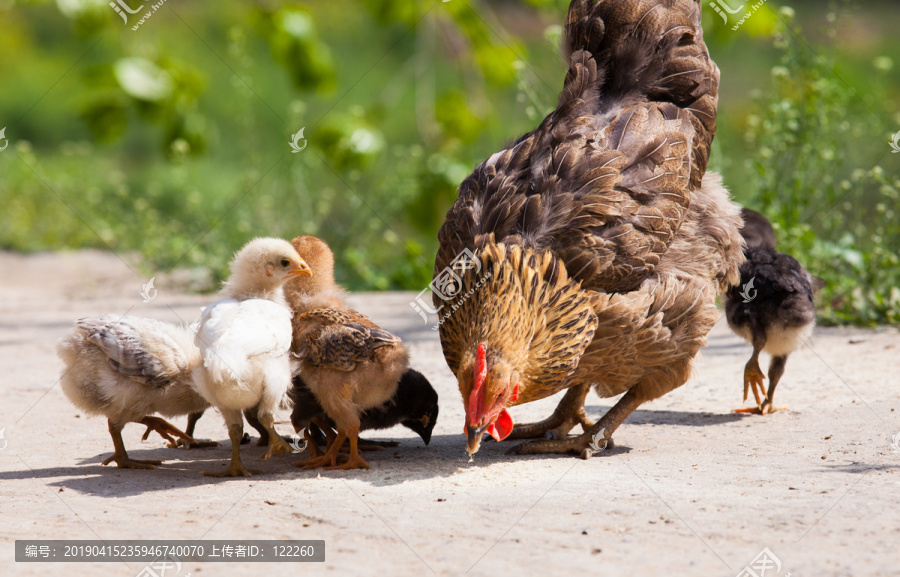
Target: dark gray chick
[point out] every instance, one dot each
(772, 309)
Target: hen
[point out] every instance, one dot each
(244, 341)
(128, 368)
(772, 308)
(589, 253)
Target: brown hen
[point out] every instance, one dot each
(597, 244)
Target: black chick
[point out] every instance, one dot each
(772, 309)
(414, 405)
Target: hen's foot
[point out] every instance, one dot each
(124, 462)
(568, 413)
(583, 445)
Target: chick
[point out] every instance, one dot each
(772, 309)
(305, 293)
(128, 368)
(414, 405)
(320, 290)
(350, 365)
(244, 341)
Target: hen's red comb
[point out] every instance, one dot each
(476, 397)
(480, 366)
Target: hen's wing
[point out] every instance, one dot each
(138, 348)
(605, 180)
(232, 332)
(342, 339)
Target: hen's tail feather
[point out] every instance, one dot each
(622, 52)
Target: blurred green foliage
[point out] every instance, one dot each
(171, 141)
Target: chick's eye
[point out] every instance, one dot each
(285, 262)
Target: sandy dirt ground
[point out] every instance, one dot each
(690, 488)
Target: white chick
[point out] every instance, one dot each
(244, 341)
(128, 368)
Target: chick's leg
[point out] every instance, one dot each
(568, 413)
(593, 440)
(330, 456)
(235, 422)
(776, 370)
(252, 416)
(189, 431)
(753, 375)
(355, 461)
(164, 428)
(121, 456)
(277, 444)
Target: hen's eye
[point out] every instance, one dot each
(285, 262)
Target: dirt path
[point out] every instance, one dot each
(690, 489)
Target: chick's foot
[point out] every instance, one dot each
(124, 462)
(165, 430)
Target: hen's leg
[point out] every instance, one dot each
(776, 370)
(591, 441)
(120, 456)
(235, 422)
(355, 461)
(568, 413)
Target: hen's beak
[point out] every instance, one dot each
(301, 270)
(474, 438)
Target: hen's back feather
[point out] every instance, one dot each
(606, 180)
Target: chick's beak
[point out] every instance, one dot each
(301, 270)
